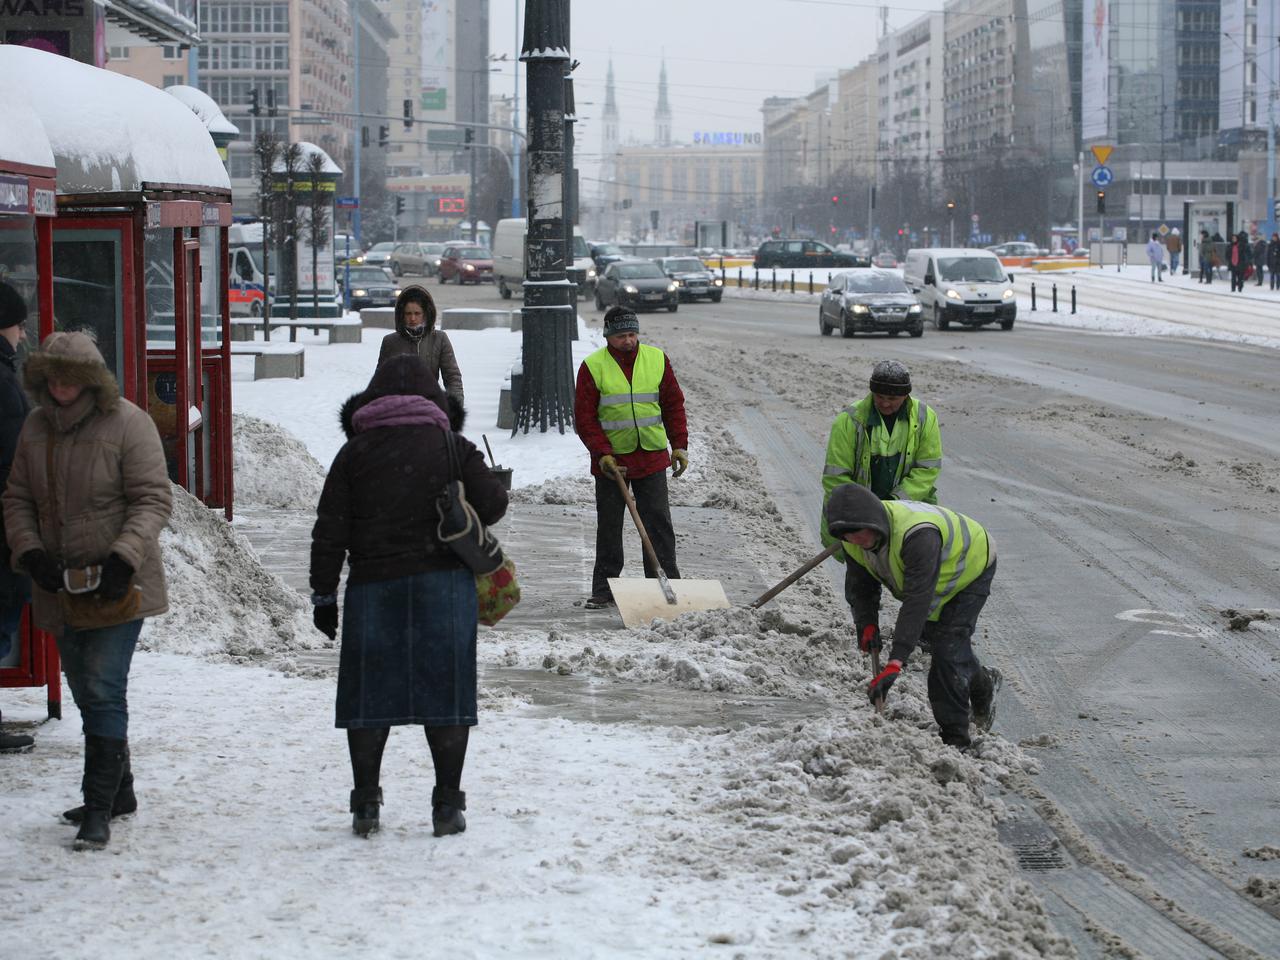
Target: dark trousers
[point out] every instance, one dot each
(955, 675)
(1275, 279)
(650, 494)
(1237, 278)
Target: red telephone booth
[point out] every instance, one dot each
(136, 255)
(27, 207)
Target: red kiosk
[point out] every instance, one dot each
(136, 255)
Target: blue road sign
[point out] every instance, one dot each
(346, 203)
(1102, 176)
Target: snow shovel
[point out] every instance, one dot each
(641, 601)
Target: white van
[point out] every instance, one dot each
(961, 285)
(246, 286)
(508, 259)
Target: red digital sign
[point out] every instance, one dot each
(446, 206)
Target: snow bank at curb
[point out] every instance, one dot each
(273, 467)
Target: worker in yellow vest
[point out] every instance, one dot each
(940, 565)
(628, 410)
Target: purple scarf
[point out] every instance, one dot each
(399, 410)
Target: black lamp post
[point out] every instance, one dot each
(549, 315)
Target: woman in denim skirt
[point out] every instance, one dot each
(409, 616)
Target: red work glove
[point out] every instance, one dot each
(869, 638)
(878, 689)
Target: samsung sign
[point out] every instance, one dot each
(726, 139)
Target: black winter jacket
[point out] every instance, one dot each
(378, 507)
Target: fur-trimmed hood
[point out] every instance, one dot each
(419, 293)
(70, 357)
(402, 375)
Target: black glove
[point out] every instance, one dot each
(326, 619)
(44, 570)
(116, 574)
(879, 687)
(869, 638)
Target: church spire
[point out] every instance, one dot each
(609, 128)
(662, 113)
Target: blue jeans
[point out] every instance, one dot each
(96, 663)
(1173, 263)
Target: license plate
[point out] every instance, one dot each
(984, 309)
(653, 296)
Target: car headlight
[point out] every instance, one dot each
(1007, 295)
(677, 283)
(359, 293)
(915, 308)
(860, 308)
(357, 259)
(718, 282)
(953, 295)
(436, 262)
(630, 289)
(468, 266)
(671, 287)
(591, 274)
(396, 292)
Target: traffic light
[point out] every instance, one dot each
(835, 201)
(901, 232)
(399, 205)
(951, 206)
(469, 135)
(384, 135)
(364, 136)
(408, 114)
(1102, 201)
(271, 101)
(254, 109)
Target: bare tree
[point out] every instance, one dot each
(317, 226)
(291, 163)
(266, 151)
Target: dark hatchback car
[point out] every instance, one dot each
(604, 254)
(692, 277)
(800, 254)
(636, 283)
(868, 300)
(370, 286)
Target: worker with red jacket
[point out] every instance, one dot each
(629, 409)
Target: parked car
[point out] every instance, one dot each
(961, 285)
(885, 260)
(422, 259)
(801, 254)
(868, 299)
(370, 286)
(1017, 248)
(692, 277)
(638, 284)
(466, 263)
(605, 253)
(378, 255)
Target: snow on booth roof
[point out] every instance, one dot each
(307, 150)
(204, 107)
(22, 137)
(110, 133)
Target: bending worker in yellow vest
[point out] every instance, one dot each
(628, 409)
(940, 565)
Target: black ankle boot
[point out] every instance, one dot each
(104, 759)
(365, 802)
(446, 811)
(125, 802)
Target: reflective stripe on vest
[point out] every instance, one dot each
(629, 412)
(963, 558)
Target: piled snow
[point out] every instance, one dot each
(222, 602)
(273, 467)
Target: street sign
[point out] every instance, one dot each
(346, 203)
(1101, 154)
(1163, 229)
(1102, 176)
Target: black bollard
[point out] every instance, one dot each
(1055, 298)
(1033, 298)
(1073, 299)
(756, 280)
(793, 281)
(739, 276)
(811, 281)
(773, 280)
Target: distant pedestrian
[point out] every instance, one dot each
(1238, 261)
(409, 615)
(1259, 257)
(1174, 245)
(1206, 258)
(87, 497)
(416, 334)
(1155, 255)
(1273, 260)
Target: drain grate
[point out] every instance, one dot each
(1043, 854)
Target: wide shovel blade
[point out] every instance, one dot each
(641, 601)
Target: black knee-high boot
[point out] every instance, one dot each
(448, 753)
(104, 760)
(365, 746)
(126, 801)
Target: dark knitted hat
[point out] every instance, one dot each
(620, 320)
(13, 309)
(891, 379)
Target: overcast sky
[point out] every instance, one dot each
(724, 57)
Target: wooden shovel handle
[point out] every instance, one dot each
(635, 515)
(769, 594)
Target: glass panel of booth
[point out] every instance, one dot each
(18, 269)
(157, 251)
(212, 285)
(88, 289)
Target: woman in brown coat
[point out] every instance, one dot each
(416, 334)
(102, 506)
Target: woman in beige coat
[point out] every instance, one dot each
(103, 507)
